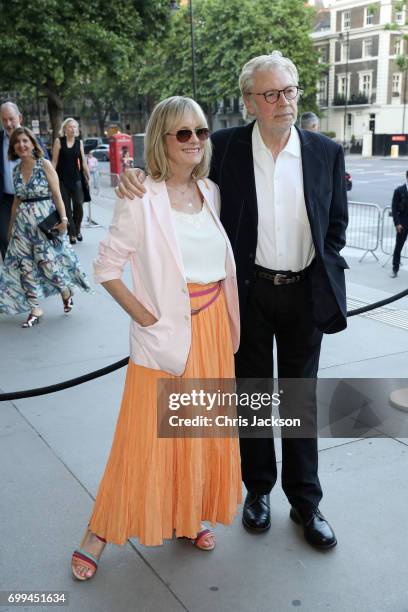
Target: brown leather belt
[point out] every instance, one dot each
(281, 277)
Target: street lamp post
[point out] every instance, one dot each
(174, 7)
(405, 100)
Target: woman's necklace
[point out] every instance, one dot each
(183, 203)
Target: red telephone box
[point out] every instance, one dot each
(120, 152)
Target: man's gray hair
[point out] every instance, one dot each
(274, 61)
(11, 105)
(308, 119)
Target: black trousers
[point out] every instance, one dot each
(75, 212)
(282, 312)
(6, 203)
(399, 244)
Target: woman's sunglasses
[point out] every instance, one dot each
(185, 135)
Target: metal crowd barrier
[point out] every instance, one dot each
(388, 234)
(363, 231)
(102, 187)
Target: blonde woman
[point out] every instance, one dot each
(184, 324)
(68, 158)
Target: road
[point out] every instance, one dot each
(375, 179)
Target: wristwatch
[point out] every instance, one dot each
(64, 219)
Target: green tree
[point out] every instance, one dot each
(227, 34)
(56, 45)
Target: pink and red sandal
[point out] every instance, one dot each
(84, 559)
(204, 536)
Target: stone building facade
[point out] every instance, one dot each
(363, 87)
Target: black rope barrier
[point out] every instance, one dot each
(79, 380)
(73, 382)
(357, 311)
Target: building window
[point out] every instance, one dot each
(341, 85)
(344, 52)
(368, 16)
(368, 47)
(346, 20)
(398, 46)
(400, 17)
(396, 85)
(322, 92)
(322, 57)
(365, 84)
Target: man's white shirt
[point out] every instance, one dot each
(284, 236)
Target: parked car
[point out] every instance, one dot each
(93, 143)
(349, 182)
(101, 152)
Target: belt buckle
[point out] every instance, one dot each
(279, 279)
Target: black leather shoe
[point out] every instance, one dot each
(256, 515)
(394, 274)
(316, 529)
(80, 237)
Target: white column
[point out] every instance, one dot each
(383, 67)
(385, 11)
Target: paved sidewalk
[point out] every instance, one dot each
(53, 451)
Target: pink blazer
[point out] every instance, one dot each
(143, 233)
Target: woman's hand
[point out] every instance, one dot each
(147, 319)
(131, 184)
(62, 227)
(129, 303)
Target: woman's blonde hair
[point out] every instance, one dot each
(37, 151)
(164, 117)
(64, 123)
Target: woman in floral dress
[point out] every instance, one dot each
(34, 266)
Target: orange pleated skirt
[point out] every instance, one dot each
(154, 487)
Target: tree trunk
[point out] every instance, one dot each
(55, 106)
(102, 112)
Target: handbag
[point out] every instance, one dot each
(47, 226)
(85, 185)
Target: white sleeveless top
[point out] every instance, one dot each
(203, 248)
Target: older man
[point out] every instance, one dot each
(284, 207)
(11, 119)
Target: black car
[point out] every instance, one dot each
(349, 182)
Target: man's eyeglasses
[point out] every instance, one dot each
(185, 135)
(291, 92)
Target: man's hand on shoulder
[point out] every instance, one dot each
(131, 184)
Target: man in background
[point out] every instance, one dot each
(11, 119)
(400, 216)
(310, 121)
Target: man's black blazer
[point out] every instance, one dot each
(40, 142)
(400, 206)
(232, 168)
